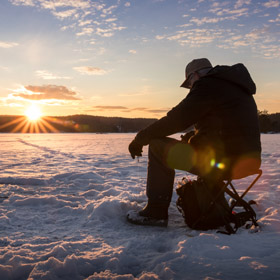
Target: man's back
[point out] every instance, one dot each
(231, 119)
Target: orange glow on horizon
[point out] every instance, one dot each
(27, 125)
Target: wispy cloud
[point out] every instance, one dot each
(64, 14)
(7, 45)
(272, 4)
(132, 51)
(50, 76)
(241, 3)
(23, 2)
(219, 26)
(82, 15)
(84, 22)
(89, 70)
(109, 10)
(79, 4)
(105, 108)
(275, 20)
(194, 37)
(4, 68)
(129, 110)
(45, 92)
(85, 31)
(259, 40)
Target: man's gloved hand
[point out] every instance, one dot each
(135, 149)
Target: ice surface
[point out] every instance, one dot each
(63, 205)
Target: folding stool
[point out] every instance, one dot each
(239, 199)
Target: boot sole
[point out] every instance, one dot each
(134, 218)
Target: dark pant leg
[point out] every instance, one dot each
(160, 181)
(165, 155)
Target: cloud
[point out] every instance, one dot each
(64, 14)
(129, 110)
(105, 108)
(230, 12)
(269, 51)
(132, 51)
(241, 3)
(7, 45)
(208, 22)
(46, 92)
(158, 111)
(4, 68)
(49, 76)
(82, 15)
(52, 5)
(104, 32)
(23, 2)
(276, 19)
(225, 25)
(272, 4)
(89, 70)
(259, 40)
(84, 22)
(200, 21)
(111, 19)
(194, 37)
(109, 10)
(85, 31)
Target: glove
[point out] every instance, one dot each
(135, 149)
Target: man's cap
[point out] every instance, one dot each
(193, 66)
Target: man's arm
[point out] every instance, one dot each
(190, 110)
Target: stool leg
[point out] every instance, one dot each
(252, 184)
(246, 191)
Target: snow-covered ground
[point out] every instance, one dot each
(63, 205)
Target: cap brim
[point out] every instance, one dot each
(185, 84)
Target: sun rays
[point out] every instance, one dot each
(32, 122)
(24, 124)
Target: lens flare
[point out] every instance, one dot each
(218, 165)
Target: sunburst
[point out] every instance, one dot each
(33, 113)
(24, 125)
(32, 122)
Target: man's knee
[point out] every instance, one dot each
(160, 146)
(174, 153)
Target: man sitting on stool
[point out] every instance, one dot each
(225, 143)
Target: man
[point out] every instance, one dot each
(225, 143)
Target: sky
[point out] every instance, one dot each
(127, 57)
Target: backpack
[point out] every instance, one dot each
(204, 208)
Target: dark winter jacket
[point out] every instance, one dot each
(223, 110)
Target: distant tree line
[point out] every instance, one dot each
(86, 123)
(75, 123)
(269, 123)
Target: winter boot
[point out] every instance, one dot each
(153, 214)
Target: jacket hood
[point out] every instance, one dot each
(236, 74)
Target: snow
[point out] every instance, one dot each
(63, 205)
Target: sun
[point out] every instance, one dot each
(33, 121)
(33, 113)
